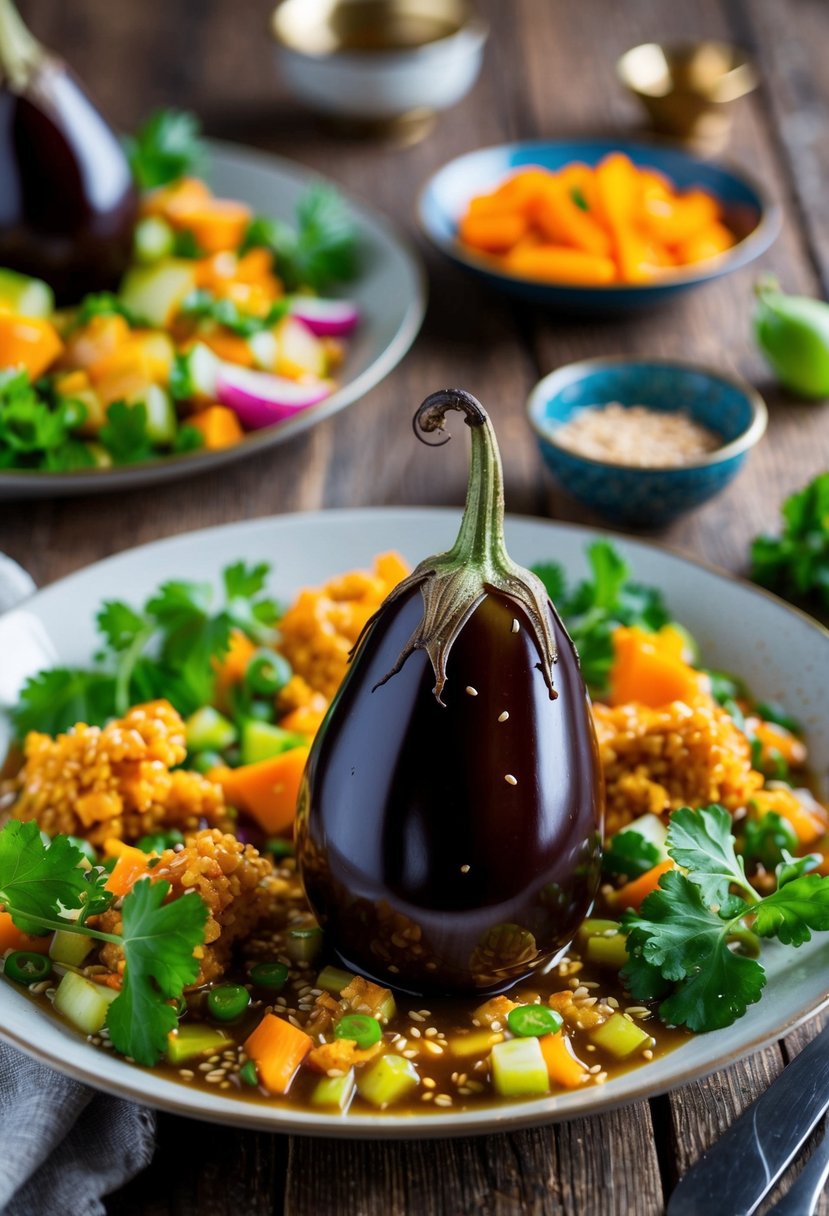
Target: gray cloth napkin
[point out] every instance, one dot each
(62, 1145)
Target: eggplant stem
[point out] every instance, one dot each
(20, 52)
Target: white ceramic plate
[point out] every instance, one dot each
(390, 294)
(781, 653)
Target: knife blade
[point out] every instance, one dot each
(744, 1164)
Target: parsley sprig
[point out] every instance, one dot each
(796, 563)
(166, 648)
(168, 146)
(40, 883)
(319, 250)
(598, 605)
(691, 945)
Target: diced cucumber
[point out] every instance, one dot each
(208, 730)
(24, 295)
(263, 740)
(607, 950)
(518, 1068)
(595, 927)
(193, 1040)
(153, 293)
(650, 828)
(332, 979)
(83, 1003)
(620, 1037)
(95, 415)
(152, 239)
(100, 456)
(70, 948)
(387, 1080)
(476, 1043)
(302, 945)
(335, 1091)
(265, 349)
(193, 377)
(385, 1009)
(162, 421)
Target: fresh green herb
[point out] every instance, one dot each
(685, 944)
(168, 146)
(185, 245)
(599, 605)
(770, 711)
(319, 251)
(100, 304)
(36, 432)
(629, 854)
(577, 195)
(764, 840)
(796, 564)
(725, 689)
(165, 649)
(124, 434)
(188, 439)
(204, 306)
(40, 883)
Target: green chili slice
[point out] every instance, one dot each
(533, 1021)
(270, 975)
(267, 673)
(227, 1002)
(25, 967)
(360, 1029)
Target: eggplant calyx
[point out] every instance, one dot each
(453, 584)
(20, 52)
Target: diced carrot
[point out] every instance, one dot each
(182, 195)
(97, 339)
(493, 233)
(216, 223)
(219, 426)
(228, 346)
(647, 670)
(109, 979)
(562, 221)
(391, 568)
(146, 353)
(709, 242)
(633, 894)
(267, 790)
(28, 342)
(12, 938)
(808, 824)
(277, 1047)
(560, 264)
(775, 738)
(306, 720)
(231, 668)
(72, 382)
(131, 865)
(216, 269)
(562, 1066)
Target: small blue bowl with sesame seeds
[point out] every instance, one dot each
(636, 494)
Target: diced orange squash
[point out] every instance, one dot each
(231, 668)
(306, 720)
(775, 738)
(28, 342)
(562, 1066)
(181, 195)
(12, 938)
(391, 568)
(647, 670)
(277, 1047)
(633, 894)
(131, 865)
(216, 269)
(808, 823)
(266, 790)
(71, 383)
(216, 223)
(228, 346)
(219, 426)
(146, 353)
(95, 341)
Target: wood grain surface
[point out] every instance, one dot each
(549, 72)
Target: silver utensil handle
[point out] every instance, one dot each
(802, 1198)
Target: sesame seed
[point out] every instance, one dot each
(502, 717)
(410, 1054)
(430, 1082)
(648, 1054)
(187, 1073)
(416, 1017)
(515, 625)
(472, 692)
(414, 1032)
(427, 1097)
(443, 1100)
(464, 869)
(434, 1047)
(510, 780)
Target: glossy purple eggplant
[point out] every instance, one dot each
(67, 200)
(449, 824)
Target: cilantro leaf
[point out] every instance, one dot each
(793, 911)
(791, 867)
(100, 304)
(119, 624)
(701, 842)
(320, 250)
(202, 305)
(168, 146)
(679, 935)
(629, 854)
(796, 564)
(245, 581)
(55, 700)
(37, 879)
(37, 428)
(554, 579)
(158, 943)
(124, 434)
(764, 840)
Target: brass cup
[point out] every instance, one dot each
(686, 89)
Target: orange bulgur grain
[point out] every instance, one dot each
(322, 625)
(99, 782)
(676, 755)
(231, 878)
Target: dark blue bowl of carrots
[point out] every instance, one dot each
(596, 226)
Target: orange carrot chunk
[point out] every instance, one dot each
(277, 1048)
(219, 426)
(562, 1066)
(267, 790)
(12, 938)
(560, 264)
(560, 219)
(633, 894)
(28, 342)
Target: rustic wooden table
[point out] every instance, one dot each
(549, 72)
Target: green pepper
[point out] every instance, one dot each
(270, 975)
(25, 967)
(267, 673)
(793, 334)
(248, 1074)
(227, 1002)
(359, 1028)
(533, 1021)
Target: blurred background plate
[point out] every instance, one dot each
(390, 293)
(749, 212)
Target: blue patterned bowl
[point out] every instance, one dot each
(748, 208)
(647, 497)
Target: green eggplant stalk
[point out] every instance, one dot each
(793, 334)
(67, 200)
(449, 822)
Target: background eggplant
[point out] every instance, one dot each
(67, 200)
(449, 824)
